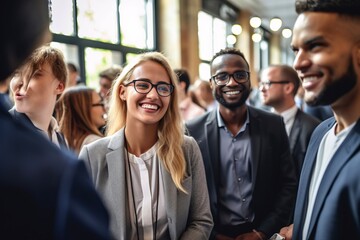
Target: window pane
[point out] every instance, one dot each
(219, 35)
(136, 23)
(204, 71)
(62, 17)
(70, 52)
(97, 60)
(130, 56)
(97, 20)
(205, 36)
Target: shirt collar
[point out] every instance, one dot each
(221, 121)
(289, 114)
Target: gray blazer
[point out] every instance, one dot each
(188, 214)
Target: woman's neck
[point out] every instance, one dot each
(140, 139)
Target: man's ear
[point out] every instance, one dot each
(289, 88)
(211, 86)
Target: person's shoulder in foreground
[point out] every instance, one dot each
(46, 194)
(326, 38)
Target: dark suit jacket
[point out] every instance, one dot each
(21, 117)
(336, 213)
(299, 137)
(273, 174)
(45, 193)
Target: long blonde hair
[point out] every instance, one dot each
(171, 129)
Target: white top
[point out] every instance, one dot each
(54, 127)
(147, 184)
(328, 146)
(289, 118)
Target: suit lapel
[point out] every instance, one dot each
(255, 127)
(340, 158)
(116, 162)
(212, 139)
(170, 191)
(295, 131)
(305, 179)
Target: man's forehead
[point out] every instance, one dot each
(228, 60)
(317, 23)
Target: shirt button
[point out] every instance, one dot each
(243, 199)
(234, 139)
(239, 179)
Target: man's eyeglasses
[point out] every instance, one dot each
(144, 86)
(266, 85)
(223, 78)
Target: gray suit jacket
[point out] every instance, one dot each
(188, 214)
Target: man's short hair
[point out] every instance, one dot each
(72, 67)
(347, 7)
(290, 75)
(111, 73)
(230, 51)
(183, 76)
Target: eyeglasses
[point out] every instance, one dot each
(100, 104)
(223, 78)
(144, 86)
(266, 85)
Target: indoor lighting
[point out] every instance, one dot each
(231, 39)
(255, 22)
(286, 32)
(275, 24)
(256, 37)
(236, 29)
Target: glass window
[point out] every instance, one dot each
(204, 71)
(70, 52)
(212, 35)
(97, 20)
(212, 38)
(137, 23)
(97, 60)
(219, 35)
(130, 56)
(205, 34)
(62, 21)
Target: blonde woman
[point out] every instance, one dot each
(149, 174)
(80, 111)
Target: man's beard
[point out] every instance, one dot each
(336, 89)
(245, 94)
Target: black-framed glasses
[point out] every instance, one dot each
(100, 104)
(266, 84)
(144, 86)
(223, 78)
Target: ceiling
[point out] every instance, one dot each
(267, 9)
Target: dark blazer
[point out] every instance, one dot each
(21, 117)
(299, 137)
(337, 206)
(45, 193)
(273, 174)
